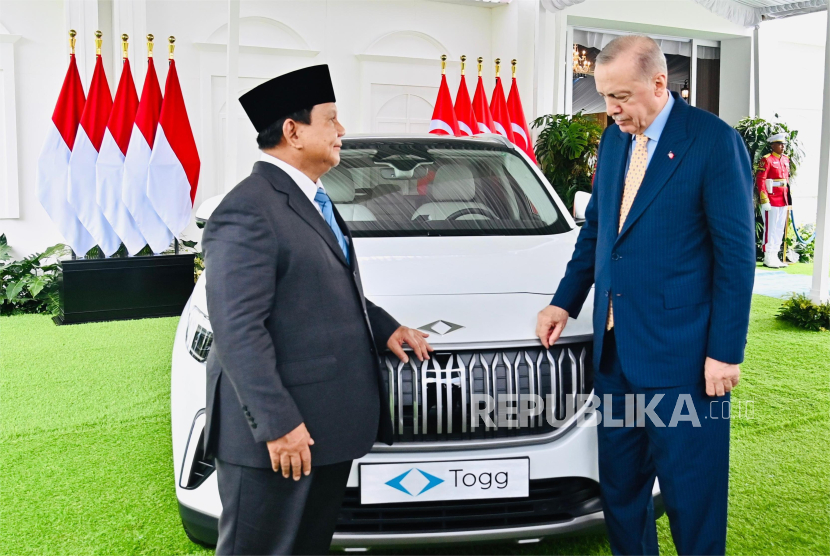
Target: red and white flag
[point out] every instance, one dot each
(174, 164)
(53, 164)
(521, 133)
(464, 110)
(444, 121)
(81, 192)
(481, 110)
(110, 165)
(137, 162)
(501, 117)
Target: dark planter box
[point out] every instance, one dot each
(94, 290)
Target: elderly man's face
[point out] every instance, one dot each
(321, 138)
(630, 99)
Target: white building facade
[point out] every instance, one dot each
(384, 57)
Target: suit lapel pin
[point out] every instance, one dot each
(671, 154)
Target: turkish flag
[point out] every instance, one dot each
(174, 164)
(464, 110)
(501, 117)
(444, 121)
(521, 133)
(137, 164)
(82, 193)
(484, 118)
(53, 163)
(110, 165)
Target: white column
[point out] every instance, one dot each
(821, 266)
(232, 90)
(569, 72)
(693, 75)
(756, 71)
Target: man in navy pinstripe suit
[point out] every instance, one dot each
(668, 243)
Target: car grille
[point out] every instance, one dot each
(432, 401)
(550, 501)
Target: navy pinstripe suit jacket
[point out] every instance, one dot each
(681, 270)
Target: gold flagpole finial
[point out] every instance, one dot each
(172, 40)
(150, 46)
(463, 60)
(98, 41)
(443, 64)
(72, 34)
(124, 45)
(513, 63)
(480, 61)
(498, 61)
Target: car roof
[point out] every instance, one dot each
(488, 138)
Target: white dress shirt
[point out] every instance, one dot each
(303, 182)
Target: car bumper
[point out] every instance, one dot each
(205, 528)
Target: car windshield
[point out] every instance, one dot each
(429, 187)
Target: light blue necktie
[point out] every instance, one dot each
(323, 200)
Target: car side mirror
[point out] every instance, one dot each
(581, 199)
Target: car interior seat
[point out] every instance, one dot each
(341, 190)
(453, 190)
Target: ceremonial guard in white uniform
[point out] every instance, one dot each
(772, 179)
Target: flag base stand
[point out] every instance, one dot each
(96, 290)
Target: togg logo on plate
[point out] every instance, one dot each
(415, 483)
(441, 327)
(383, 483)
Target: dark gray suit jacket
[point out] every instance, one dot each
(294, 338)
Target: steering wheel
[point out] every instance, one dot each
(487, 213)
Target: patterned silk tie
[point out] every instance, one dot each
(324, 201)
(633, 179)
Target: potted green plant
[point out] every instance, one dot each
(755, 132)
(566, 150)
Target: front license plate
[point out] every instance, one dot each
(382, 483)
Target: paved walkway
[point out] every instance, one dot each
(777, 283)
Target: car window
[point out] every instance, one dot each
(424, 188)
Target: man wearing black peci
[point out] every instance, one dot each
(294, 390)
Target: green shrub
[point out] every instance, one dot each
(802, 312)
(30, 285)
(567, 152)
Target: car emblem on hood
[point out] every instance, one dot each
(440, 327)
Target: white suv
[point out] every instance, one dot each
(466, 240)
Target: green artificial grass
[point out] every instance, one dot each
(86, 463)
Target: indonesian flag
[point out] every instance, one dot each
(137, 163)
(481, 110)
(174, 164)
(501, 117)
(444, 121)
(521, 133)
(110, 165)
(53, 164)
(464, 110)
(81, 192)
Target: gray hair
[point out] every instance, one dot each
(650, 58)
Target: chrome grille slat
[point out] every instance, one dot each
(432, 401)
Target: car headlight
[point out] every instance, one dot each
(199, 335)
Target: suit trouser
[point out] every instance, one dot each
(265, 513)
(691, 462)
(775, 220)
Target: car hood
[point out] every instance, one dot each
(463, 265)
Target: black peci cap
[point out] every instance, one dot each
(287, 93)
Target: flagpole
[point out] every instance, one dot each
(98, 42)
(172, 46)
(480, 61)
(72, 35)
(498, 61)
(443, 64)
